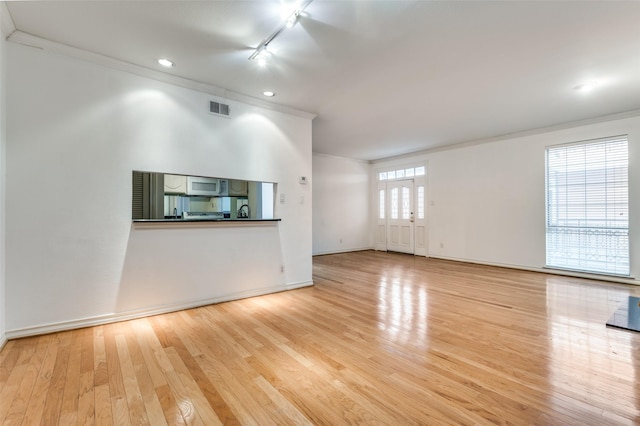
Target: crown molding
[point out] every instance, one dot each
(6, 21)
(515, 135)
(339, 157)
(26, 39)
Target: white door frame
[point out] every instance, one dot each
(382, 209)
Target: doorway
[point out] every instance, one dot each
(400, 223)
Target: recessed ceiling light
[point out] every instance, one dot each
(586, 86)
(165, 63)
(269, 94)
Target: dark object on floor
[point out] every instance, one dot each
(627, 316)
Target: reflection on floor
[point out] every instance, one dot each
(628, 315)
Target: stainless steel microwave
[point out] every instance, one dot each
(206, 187)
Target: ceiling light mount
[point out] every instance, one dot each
(587, 86)
(262, 56)
(287, 23)
(291, 20)
(166, 62)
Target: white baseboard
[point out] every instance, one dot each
(320, 253)
(3, 341)
(146, 312)
(608, 278)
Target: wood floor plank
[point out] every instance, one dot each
(325, 391)
(86, 400)
(170, 407)
(15, 410)
(202, 407)
(117, 393)
(102, 396)
(35, 409)
(154, 411)
(101, 372)
(156, 363)
(86, 395)
(16, 379)
(228, 378)
(191, 356)
(381, 338)
(135, 404)
(10, 354)
(183, 399)
(103, 405)
(148, 348)
(70, 397)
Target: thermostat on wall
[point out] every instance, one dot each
(303, 180)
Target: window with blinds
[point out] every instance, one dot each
(588, 206)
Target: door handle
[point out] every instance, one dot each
(411, 218)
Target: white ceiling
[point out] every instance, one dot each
(384, 77)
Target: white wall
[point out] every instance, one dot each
(76, 132)
(486, 202)
(3, 132)
(340, 204)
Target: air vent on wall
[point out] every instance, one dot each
(219, 109)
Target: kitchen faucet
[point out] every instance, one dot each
(242, 214)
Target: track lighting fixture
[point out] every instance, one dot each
(287, 23)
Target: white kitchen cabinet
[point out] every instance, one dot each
(238, 188)
(175, 184)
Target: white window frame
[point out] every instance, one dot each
(403, 173)
(587, 206)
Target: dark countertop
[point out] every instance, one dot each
(179, 220)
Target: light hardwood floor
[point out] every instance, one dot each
(380, 339)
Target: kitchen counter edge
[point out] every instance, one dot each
(202, 222)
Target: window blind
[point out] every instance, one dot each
(588, 206)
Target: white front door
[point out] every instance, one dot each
(400, 216)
